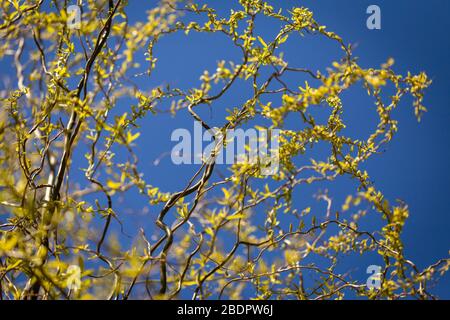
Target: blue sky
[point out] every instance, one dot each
(415, 165)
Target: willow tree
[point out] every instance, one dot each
(221, 236)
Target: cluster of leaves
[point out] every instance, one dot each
(250, 235)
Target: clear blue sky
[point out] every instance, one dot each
(416, 165)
